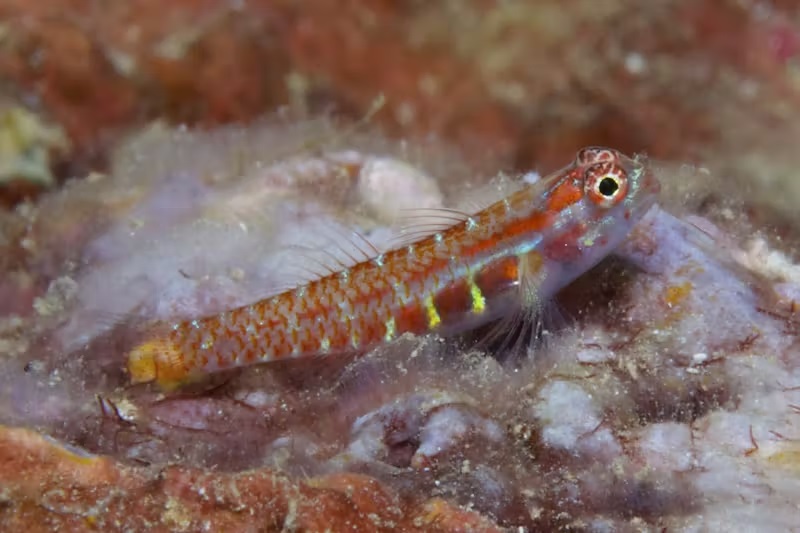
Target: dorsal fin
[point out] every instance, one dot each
(336, 247)
(501, 186)
(416, 224)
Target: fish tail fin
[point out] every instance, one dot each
(159, 360)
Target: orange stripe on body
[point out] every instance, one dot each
(563, 196)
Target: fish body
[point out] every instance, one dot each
(513, 255)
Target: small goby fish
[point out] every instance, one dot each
(508, 258)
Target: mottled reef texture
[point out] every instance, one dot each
(666, 395)
(522, 82)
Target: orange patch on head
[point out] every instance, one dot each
(564, 195)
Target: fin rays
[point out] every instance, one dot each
(417, 224)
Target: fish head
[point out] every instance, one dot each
(615, 184)
(595, 202)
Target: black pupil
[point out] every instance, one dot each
(608, 186)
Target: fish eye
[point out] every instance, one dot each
(606, 183)
(608, 186)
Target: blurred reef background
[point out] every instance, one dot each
(169, 158)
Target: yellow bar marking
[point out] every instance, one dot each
(433, 315)
(478, 300)
(391, 329)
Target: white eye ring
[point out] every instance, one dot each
(606, 184)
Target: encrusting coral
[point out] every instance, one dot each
(665, 396)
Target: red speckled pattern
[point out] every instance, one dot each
(448, 282)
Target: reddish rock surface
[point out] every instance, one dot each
(526, 83)
(47, 487)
